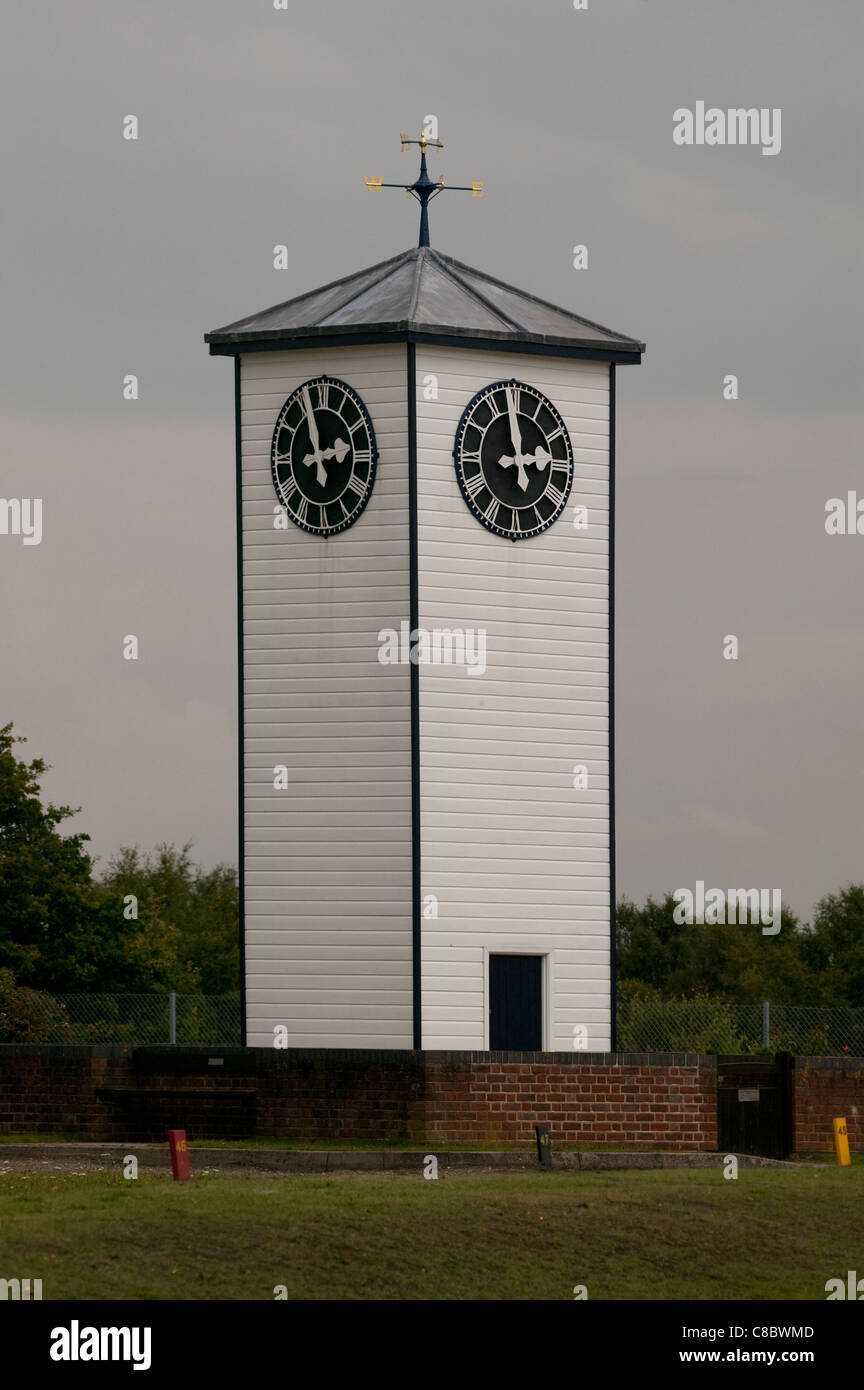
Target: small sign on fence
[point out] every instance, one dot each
(179, 1154)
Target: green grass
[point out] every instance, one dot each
(527, 1147)
(371, 1145)
(773, 1233)
(830, 1158)
(350, 1145)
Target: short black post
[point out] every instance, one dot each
(544, 1145)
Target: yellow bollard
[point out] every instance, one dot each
(841, 1142)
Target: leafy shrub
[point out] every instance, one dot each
(29, 1016)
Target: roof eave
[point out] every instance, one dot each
(226, 344)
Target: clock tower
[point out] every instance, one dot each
(425, 524)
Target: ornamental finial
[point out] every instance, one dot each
(425, 189)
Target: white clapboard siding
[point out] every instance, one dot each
(327, 862)
(517, 859)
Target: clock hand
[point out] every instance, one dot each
(516, 440)
(540, 457)
(315, 456)
(310, 418)
(515, 432)
(336, 451)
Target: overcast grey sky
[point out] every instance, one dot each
(256, 127)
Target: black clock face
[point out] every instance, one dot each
(323, 456)
(514, 460)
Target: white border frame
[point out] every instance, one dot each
(503, 947)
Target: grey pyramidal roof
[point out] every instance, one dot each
(422, 294)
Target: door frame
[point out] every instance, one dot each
(507, 948)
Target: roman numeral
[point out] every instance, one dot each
(525, 519)
(323, 395)
(491, 512)
(471, 456)
(475, 484)
(556, 434)
(363, 457)
(356, 485)
(554, 494)
(301, 511)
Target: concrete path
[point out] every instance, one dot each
(104, 1157)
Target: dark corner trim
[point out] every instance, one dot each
(613, 1042)
(414, 678)
(241, 887)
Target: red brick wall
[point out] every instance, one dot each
(52, 1089)
(138, 1093)
(663, 1104)
(646, 1101)
(825, 1087)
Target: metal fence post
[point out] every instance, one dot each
(766, 1023)
(172, 1017)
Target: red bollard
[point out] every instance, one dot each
(179, 1154)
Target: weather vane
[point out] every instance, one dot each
(425, 189)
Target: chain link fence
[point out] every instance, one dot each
(713, 1025)
(141, 1019)
(644, 1025)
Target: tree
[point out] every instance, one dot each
(727, 961)
(201, 904)
(44, 876)
(59, 930)
(833, 947)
